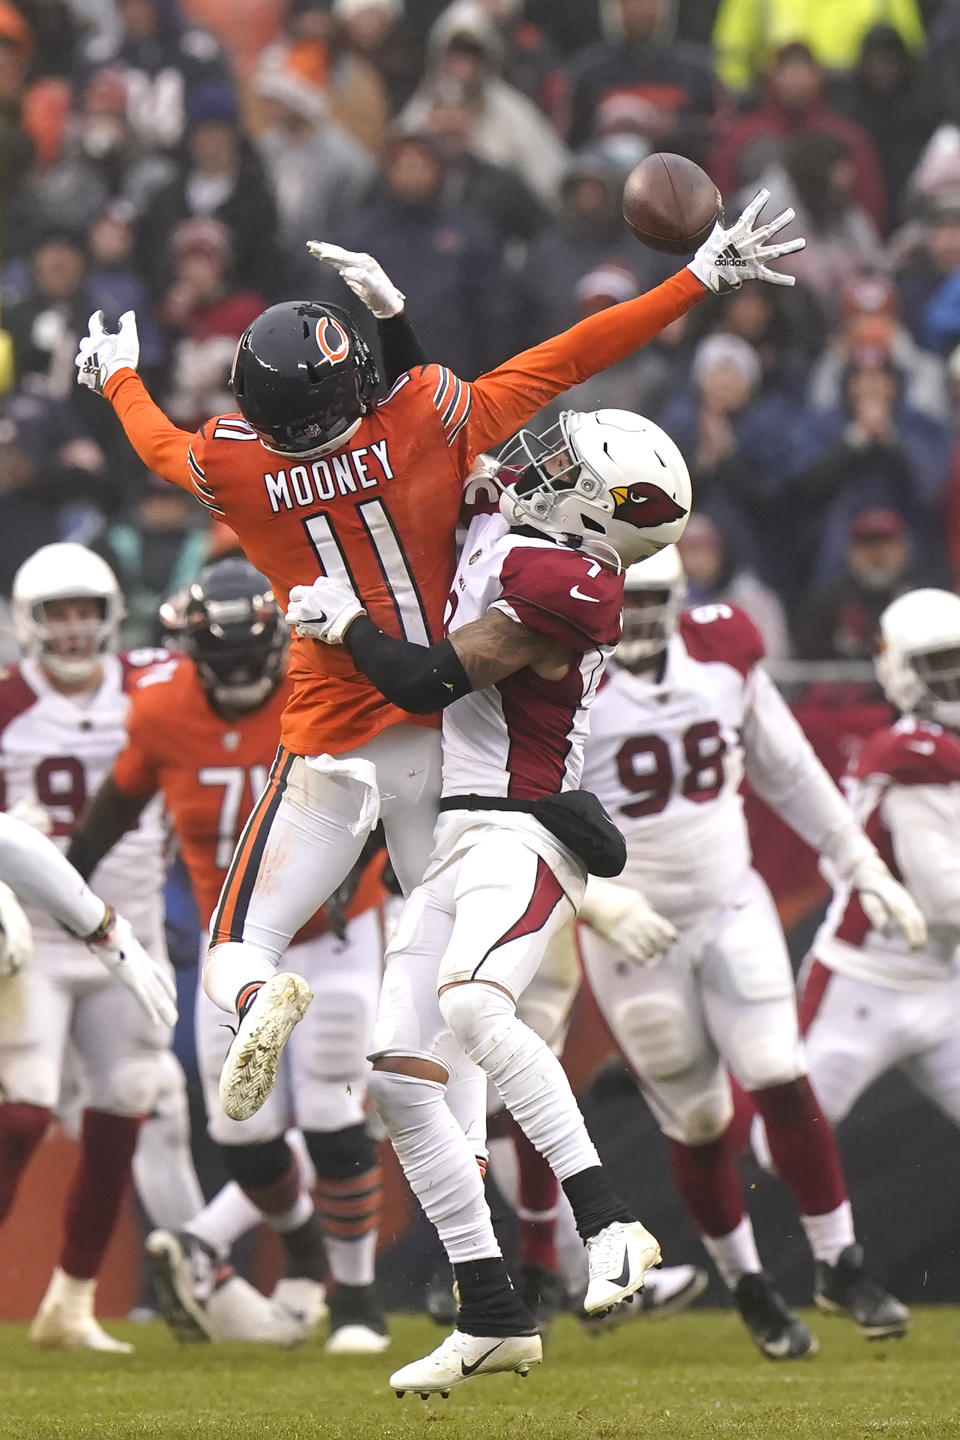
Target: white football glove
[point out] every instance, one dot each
(627, 920)
(365, 276)
(728, 257)
(150, 982)
(16, 936)
(886, 904)
(101, 354)
(323, 610)
(32, 813)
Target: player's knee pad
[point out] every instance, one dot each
(338, 1034)
(705, 1117)
(341, 1155)
(401, 1100)
(255, 1167)
(479, 1015)
(129, 1087)
(764, 1060)
(655, 1035)
(331, 1105)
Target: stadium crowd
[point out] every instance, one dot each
(174, 158)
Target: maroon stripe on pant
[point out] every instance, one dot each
(547, 892)
(814, 989)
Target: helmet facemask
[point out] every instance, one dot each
(938, 679)
(71, 634)
(649, 619)
(607, 482)
(549, 487)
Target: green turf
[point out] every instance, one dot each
(693, 1376)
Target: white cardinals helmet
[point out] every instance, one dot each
(607, 482)
(70, 648)
(918, 662)
(653, 594)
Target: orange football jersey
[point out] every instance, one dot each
(211, 772)
(382, 511)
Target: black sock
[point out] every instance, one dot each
(594, 1202)
(306, 1257)
(489, 1305)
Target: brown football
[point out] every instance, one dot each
(671, 204)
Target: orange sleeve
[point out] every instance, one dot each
(135, 774)
(507, 397)
(161, 446)
(136, 771)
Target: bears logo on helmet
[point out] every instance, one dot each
(340, 348)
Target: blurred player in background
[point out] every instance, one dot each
(63, 714)
(203, 732)
(869, 1002)
(315, 476)
(684, 713)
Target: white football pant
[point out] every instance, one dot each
(66, 995)
(860, 1030)
(722, 999)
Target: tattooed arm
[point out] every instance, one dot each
(423, 679)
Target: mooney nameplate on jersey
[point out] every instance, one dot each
(340, 474)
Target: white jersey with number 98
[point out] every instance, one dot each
(665, 756)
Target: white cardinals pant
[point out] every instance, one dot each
(722, 999)
(65, 996)
(546, 1003)
(486, 913)
(859, 1030)
(323, 1076)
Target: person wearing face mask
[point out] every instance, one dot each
(840, 620)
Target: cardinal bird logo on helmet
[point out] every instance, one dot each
(645, 505)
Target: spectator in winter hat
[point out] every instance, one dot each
(377, 32)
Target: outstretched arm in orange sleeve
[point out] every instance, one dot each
(161, 446)
(507, 397)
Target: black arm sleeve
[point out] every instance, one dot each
(106, 820)
(421, 679)
(401, 348)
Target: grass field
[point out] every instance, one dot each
(696, 1375)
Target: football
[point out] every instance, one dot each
(671, 204)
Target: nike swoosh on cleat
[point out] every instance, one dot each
(469, 1369)
(624, 1276)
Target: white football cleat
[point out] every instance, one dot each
(65, 1320)
(356, 1340)
(617, 1259)
(250, 1070)
(665, 1292)
(301, 1303)
(462, 1357)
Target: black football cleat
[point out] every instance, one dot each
(846, 1289)
(774, 1328)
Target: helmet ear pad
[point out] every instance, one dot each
(303, 374)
